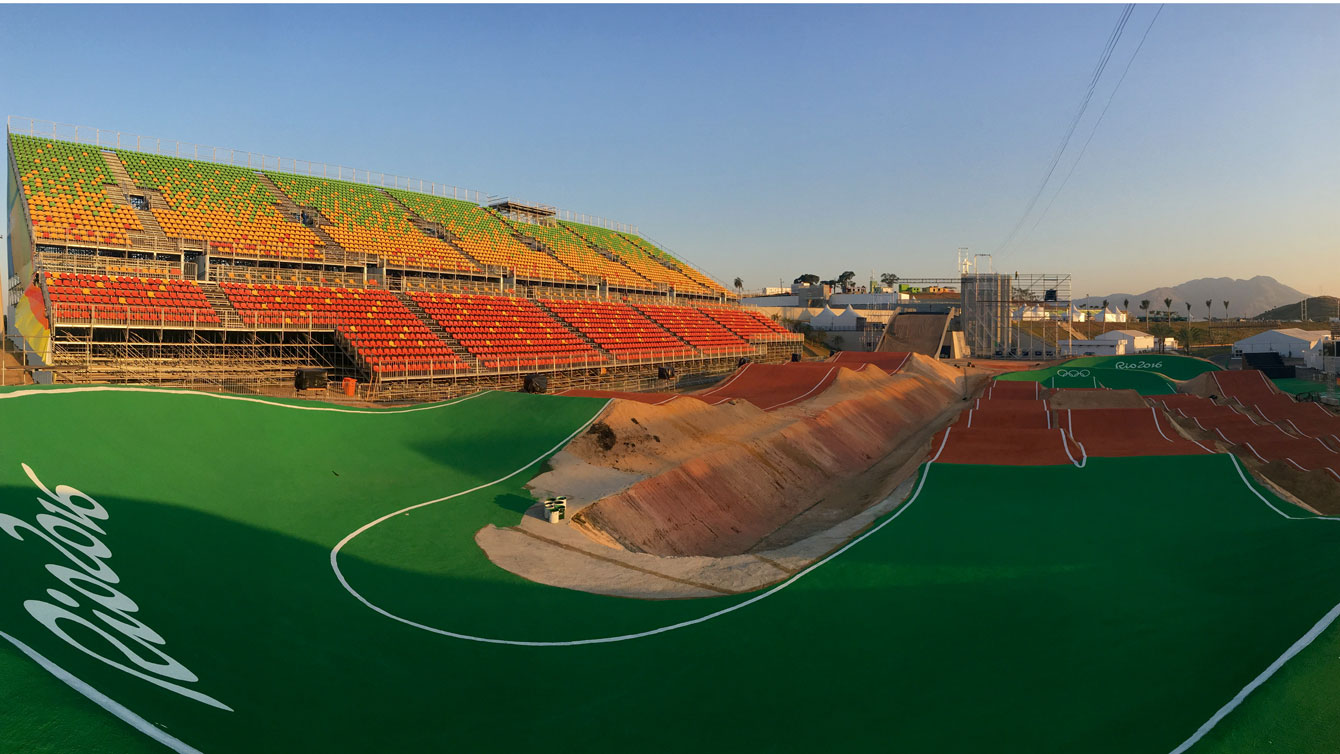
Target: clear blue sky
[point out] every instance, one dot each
(766, 141)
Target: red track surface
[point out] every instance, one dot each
(997, 418)
(655, 399)
(1249, 387)
(1012, 391)
(1182, 401)
(1306, 454)
(1241, 434)
(772, 386)
(888, 361)
(1121, 432)
(1005, 447)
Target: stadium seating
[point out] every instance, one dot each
(580, 256)
(486, 237)
(686, 269)
(635, 257)
(694, 327)
(221, 204)
(745, 323)
(621, 330)
(63, 183)
(131, 300)
(367, 220)
(505, 332)
(386, 336)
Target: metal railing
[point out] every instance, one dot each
(88, 264)
(600, 222)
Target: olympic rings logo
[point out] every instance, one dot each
(1072, 373)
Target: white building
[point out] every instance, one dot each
(1135, 341)
(1092, 347)
(1290, 343)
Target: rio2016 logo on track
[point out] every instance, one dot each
(72, 529)
(1139, 365)
(1073, 373)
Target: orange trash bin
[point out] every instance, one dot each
(350, 385)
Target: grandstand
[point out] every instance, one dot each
(151, 261)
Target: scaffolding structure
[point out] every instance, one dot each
(996, 318)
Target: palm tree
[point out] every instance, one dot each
(1167, 309)
(1144, 307)
(1225, 310)
(1188, 328)
(1126, 307)
(1208, 304)
(1104, 315)
(739, 285)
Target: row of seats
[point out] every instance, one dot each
(485, 236)
(687, 270)
(745, 323)
(64, 183)
(226, 206)
(633, 256)
(620, 329)
(505, 332)
(79, 296)
(404, 348)
(580, 256)
(695, 328)
(367, 220)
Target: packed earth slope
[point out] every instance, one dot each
(726, 497)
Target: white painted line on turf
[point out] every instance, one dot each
(245, 399)
(1298, 646)
(1263, 499)
(101, 699)
(334, 564)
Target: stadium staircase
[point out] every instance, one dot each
(332, 250)
(222, 306)
(153, 235)
(456, 347)
(440, 232)
(583, 336)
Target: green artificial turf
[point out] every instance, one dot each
(1112, 608)
(1295, 386)
(1146, 383)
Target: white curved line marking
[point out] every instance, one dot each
(1294, 649)
(817, 385)
(723, 385)
(607, 639)
(1298, 646)
(222, 397)
(101, 699)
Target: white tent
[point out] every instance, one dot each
(831, 320)
(1290, 343)
(1029, 312)
(1110, 314)
(1076, 315)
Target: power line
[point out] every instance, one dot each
(1096, 123)
(1106, 55)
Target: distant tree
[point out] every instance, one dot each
(844, 280)
(739, 285)
(1225, 310)
(1167, 308)
(1104, 315)
(1126, 305)
(807, 279)
(1188, 328)
(1144, 307)
(889, 279)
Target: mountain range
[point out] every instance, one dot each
(1246, 298)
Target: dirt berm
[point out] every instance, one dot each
(719, 480)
